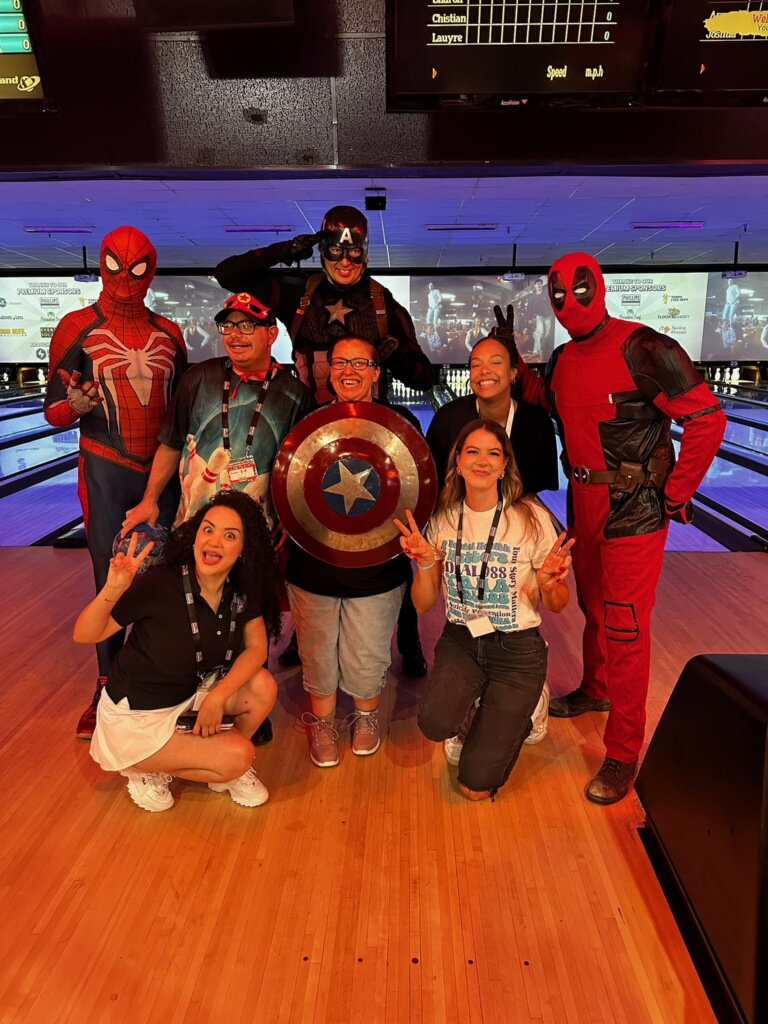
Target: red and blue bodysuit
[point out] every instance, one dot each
(615, 388)
(130, 359)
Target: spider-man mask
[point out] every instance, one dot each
(577, 293)
(128, 262)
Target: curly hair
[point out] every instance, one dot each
(510, 486)
(255, 573)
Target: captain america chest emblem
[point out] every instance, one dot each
(338, 312)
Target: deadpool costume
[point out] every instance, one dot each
(319, 308)
(614, 389)
(114, 366)
(343, 301)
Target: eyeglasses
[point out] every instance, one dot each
(356, 364)
(243, 326)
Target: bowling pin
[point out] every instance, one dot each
(204, 486)
(735, 375)
(195, 462)
(718, 374)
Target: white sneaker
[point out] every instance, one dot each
(248, 790)
(452, 746)
(540, 719)
(452, 749)
(149, 789)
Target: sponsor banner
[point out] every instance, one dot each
(31, 307)
(672, 304)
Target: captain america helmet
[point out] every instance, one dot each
(345, 234)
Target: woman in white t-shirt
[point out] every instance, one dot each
(496, 554)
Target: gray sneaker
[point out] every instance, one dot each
(366, 735)
(323, 740)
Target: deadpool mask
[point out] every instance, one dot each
(128, 261)
(577, 293)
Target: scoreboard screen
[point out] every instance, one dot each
(715, 51)
(19, 73)
(495, 53)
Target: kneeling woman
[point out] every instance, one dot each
(206, 608)
(496, 554)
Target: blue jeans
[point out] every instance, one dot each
(507, 672)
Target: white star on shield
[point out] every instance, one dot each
(351, 486)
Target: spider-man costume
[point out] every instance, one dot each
(615, 387)
(131, 359)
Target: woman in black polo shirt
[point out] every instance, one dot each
(207, 607)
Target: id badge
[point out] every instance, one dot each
(241, 471)
(480, 625)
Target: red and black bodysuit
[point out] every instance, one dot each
(131, 359)
(615, 388)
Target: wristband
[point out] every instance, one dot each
(425, 567)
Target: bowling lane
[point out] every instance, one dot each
(742, 489)
(33, 453)
(28, 515)
(21, 423)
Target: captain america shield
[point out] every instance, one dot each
(342, 475)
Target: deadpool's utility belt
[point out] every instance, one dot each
(627, 477)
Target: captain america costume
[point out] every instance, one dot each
(318, 309)
(131, 360)
(614, 388)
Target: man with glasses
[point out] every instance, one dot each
(228, 417)
(318, 309)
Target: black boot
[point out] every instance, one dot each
(263, 734)
(290, 655)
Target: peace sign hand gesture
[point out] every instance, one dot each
(124, 566)
(555, 566)
(505, 326)
(415, 545)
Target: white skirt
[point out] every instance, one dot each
(123, 737)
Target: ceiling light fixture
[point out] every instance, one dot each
(376, 199)
(256, 229)
(58, 231)
(661, 225)
(462, 227)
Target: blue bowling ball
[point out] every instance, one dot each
(146, 533)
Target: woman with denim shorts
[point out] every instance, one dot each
(344, 617)
(496, 555)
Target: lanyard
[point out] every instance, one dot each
(510, 416)
(190, 598)
(486, 553)
(274, 370)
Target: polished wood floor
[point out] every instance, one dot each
(372, 892)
